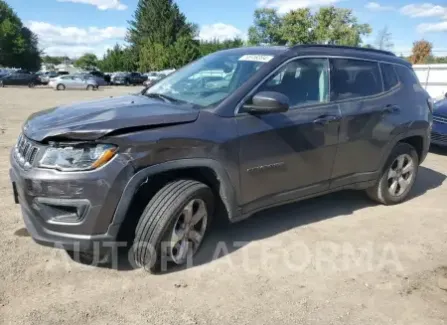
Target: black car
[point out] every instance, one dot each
(20, 79)
(282, 124)
(132, 78)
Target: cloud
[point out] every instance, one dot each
(432, 27)
(424, 10)
(374, 6)
(101, 4)
(220, 31)
(284, 6)
(74, 41)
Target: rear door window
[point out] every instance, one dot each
(354, 78)
(389, 75)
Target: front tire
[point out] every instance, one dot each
(398, 176)
(60, 87)
(31, 85)
(173, 225)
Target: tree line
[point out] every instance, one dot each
(160, 36)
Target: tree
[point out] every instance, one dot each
(298, 27)
(383, 41)
(329, 25)
(421, 51)
(266, 28)
(338, 26)
(87, 61)
(208, 47)
(159, 28)
(18, 45)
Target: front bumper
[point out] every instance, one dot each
(75, 210)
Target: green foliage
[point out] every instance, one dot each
(47, 59)
(208, 47)
(88, 61)
(18, 45)
(329, 25)
(266, 28)
(160, 36)
(118, 59)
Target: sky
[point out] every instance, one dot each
(73, 27)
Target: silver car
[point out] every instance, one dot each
(73, 82)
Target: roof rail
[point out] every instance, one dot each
(365, 49)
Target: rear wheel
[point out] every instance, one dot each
(173, 225)
(60, 87)
(398, 177)
(31, 85)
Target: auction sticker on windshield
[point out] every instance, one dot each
(256, 58)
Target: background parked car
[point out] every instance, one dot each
(439, 130)
(153, 80)
(19, 78)
(124, 78)
(44, 78)
(101, 76)
(73, 82)
(98, 78)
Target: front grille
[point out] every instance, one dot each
(438, 137)
(25, 151)
(440, 119)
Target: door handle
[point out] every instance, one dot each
(390, 109)
(324, 120)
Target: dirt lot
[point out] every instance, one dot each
(334, 260)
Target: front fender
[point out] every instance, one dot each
(226, 188)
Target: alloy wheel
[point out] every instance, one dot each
(188, 231)
(400, 175)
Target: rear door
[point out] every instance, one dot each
(368, 109)
(288, 155)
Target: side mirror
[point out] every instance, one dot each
(266, 102)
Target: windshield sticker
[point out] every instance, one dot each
(256, 58)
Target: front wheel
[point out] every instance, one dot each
(173, 225)
(31, 85)
(60, 87)
(398, 177)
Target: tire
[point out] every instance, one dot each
(31, 85)
(382, 191)
(2, 85)
(90, 87)
(164, 221)
(60, 87)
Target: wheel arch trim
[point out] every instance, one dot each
(226, 189)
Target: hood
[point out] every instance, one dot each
(93, 120)
(441, 108)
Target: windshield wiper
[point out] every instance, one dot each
(163, 97)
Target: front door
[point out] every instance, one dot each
(288, 155)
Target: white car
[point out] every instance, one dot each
(73, 82)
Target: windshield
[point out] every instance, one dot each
(208, 81)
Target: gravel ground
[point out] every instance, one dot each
(339, 259)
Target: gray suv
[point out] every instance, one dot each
(284, 124)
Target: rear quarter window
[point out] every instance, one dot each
(408, 78)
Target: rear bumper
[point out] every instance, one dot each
(73, 211)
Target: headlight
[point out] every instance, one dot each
(74, 158)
